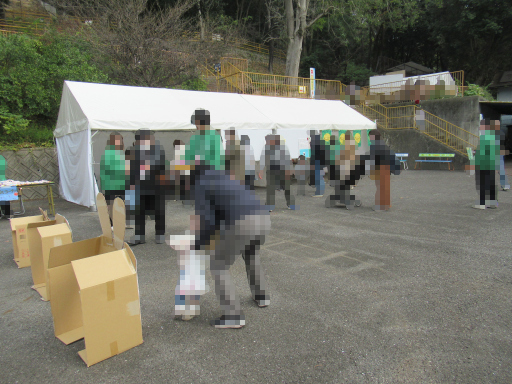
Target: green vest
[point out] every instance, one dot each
(207, 146)
(3, 168)
(487, 156)
(112, 170)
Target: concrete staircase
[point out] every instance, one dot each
(449, 135)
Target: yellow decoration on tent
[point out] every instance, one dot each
(342, 139)
(357, 138)
(327, 137)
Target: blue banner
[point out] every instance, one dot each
(8, 193)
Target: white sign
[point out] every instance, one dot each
(312, 82)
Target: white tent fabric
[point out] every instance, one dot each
(88, 107)
(74, 153)
(120, 108)
(294, 118)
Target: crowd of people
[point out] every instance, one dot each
(229, 218)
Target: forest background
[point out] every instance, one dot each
(162, 43)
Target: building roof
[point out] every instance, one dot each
(501, 107)
(502, 79)
(411, 68)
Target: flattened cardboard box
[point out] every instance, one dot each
(23, 229)
(40, 245)
(94, 290)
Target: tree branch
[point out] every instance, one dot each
(321, 14)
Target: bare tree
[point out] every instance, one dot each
(273, 21)
(137, 45)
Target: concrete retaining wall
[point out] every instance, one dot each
(461, 111)
(33, 164)
(413, 142)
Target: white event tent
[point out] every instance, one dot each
(89, 112)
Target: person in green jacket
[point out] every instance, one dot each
(113, 176)
(206, 145)
(487, 162)
(5, 206)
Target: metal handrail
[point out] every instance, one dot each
(238, 63)
(406, 117)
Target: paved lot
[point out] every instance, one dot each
(419, 294)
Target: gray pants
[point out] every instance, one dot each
(244, 237)
(275, 179)
(301, 187)
(341, 194)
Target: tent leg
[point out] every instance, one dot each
(93, 207)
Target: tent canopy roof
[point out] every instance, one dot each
(118, 108)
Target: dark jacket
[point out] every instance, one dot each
(147, 169)
(220, 202)
(380, 154)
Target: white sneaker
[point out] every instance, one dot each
(478, 206)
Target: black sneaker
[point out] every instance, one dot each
(136, 239)
(229, 321)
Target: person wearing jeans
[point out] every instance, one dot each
(503, 176)
(318, 163)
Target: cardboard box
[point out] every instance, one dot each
(40, 244)
(23, 229)
(94, 290)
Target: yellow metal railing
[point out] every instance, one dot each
(374, 113)
(36, 28)
(413, 117)
(401, 117)
(261, 48)
(276, 85)
(7, 32)
(21, 14)
(449, 134)
(240, 43)
(426, 87)
(237, 63)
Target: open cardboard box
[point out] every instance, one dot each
(23, 230)
(39, 245)
(94, 290)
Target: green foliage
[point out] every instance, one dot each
(33, 70)
(359, 74)
(33, 135)
(477, 90)
(11, 124)
(196, 84)
(319, 25)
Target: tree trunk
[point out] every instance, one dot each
(295, 31)
(271, 56)
(293, 54)
(201, 21)
(270, 24)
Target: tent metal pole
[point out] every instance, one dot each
(92, 208)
